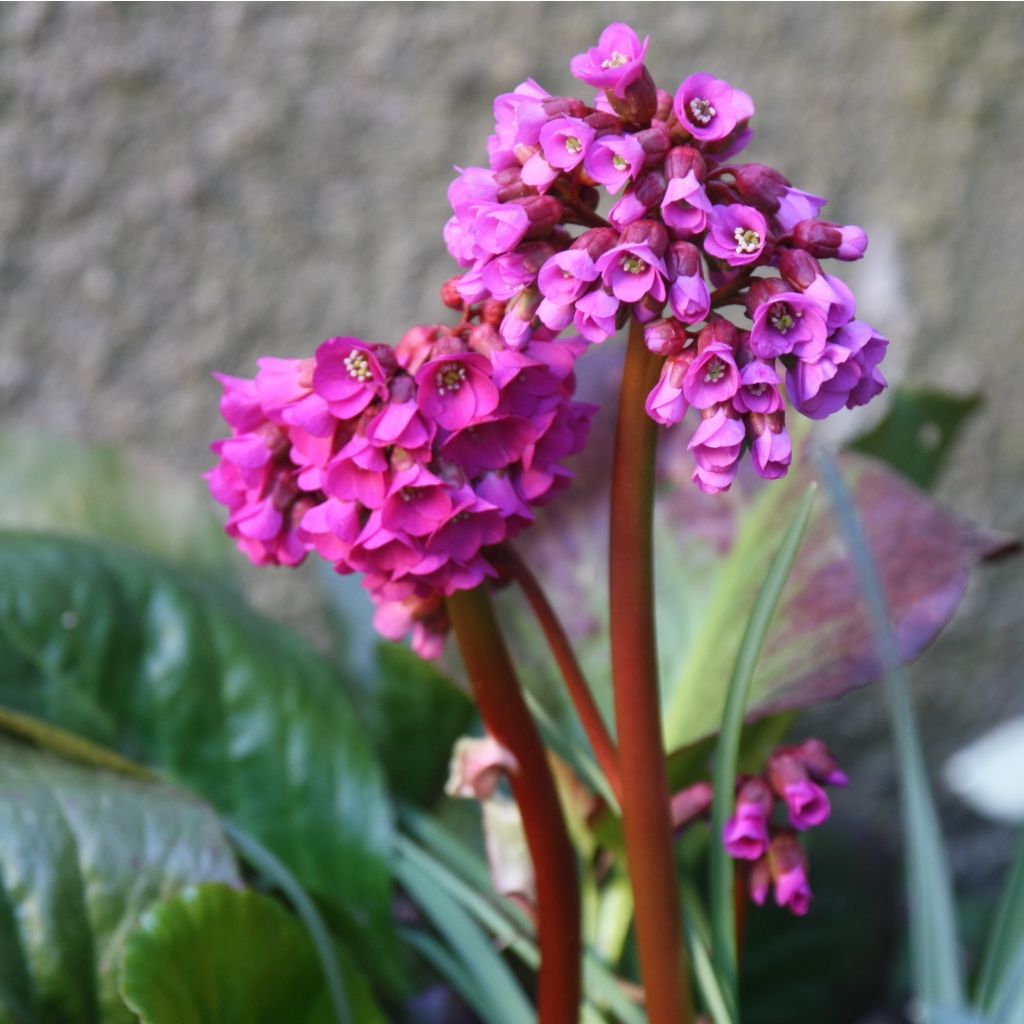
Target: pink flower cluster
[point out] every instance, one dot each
(793, 777)
(404, 464)
(687, 221)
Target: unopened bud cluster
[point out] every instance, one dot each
(405, 464)
(690, 234)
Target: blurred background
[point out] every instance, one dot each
(185, 188)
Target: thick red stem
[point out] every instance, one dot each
(576, 685)
(508, 720)
(645, 793)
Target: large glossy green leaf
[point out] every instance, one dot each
(216, 956)
(60, 485)
(178, 673)
(918, 432)
(83, 853)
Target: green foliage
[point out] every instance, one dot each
(179, 674)
(217, 956)
(84, 852)
(918, 432)
(61, 486)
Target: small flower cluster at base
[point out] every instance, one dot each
(686, 218)
(793, 778)
(404, 464)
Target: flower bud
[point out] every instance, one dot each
(596, 242)
(830, 241)
(690, 804)
(655, 142)
(638, 199)
(415, 346)
(450, 295)
(683, 159)
(604, 123)
(564, 106)
(820, 764)
(788, 864)
(760, 185)
(719, 330)
(485, 339)
(665, 337)
(639, 101)
(492, 311)
(664, 109)
(760, 881)
(762, 290)
(511, 185)
(799, 269)
(544, 213)
(646, 232)
(682, 259)
(807, 803)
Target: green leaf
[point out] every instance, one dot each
(724, 777)
(216, 956)
(415, 716)
(83, 853)
(918, 432)
(62, 486)
(933, 937)
(1009, 1007)
(1005, 937)
(179, 674)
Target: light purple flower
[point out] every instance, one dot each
(595, 315)
(564, 141)
(613, 160)
(712, 378)
(789, 322)
(738, 234)
(685, 207)
(455, 390)
(772, 450)
(795, 206)
(666, 404)
(830, 241)
(499, 227)
(690, 299)
(632, 271)
(566, 276)
(834, 296)
(716, 446)
(789, 873)
(710, 108)
(473, 187)
(616, 62)
(745, 835)
(519, 116)
(807, 802)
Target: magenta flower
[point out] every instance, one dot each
(786, 323)
(418, 503)
(685, 207)
(631, 272)
(499, 227)
(835, 297)
(565, 141)
(348, 376)
(795, 206)
(689, 804)
(489, 444)
(807, 802)
(710, 108)
(746, 833)
(613, 160)
(285, 389)
(788, 865)
(716, 446)
(820, 764)
(772, 449)
(455, 390)
(712, 378)
(830, 241)
(616, 62)
(738, 234)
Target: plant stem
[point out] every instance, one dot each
(590, 716)
(645, 794)
(507, 718)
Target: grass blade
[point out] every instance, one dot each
(723, 925)
(271, 868)
(1006, 935)
(1009, 1008)
(933, 938)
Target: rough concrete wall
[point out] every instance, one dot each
(183, 188)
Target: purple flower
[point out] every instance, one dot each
(632, 271)
(489, 444)
(830, 241)
(285, 389)
(788, 865)
(519, 116)
(616, 61)
(820, 764)
(455, 390)
(759, 388)
(716, 446)
(685, 207)
(613, 160)
(418, 503)
(666, 404)
(746, 833)
(712, 378)
(564, 142)
(348, 376)
(846, 373)
(710, 108)
(789, 322)
(795, 206)
(738, 234)
(690, 299)
(807, 803)
(473, 187)
(507, 275)
(499, 227)
(835, 297)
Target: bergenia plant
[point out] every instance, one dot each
(415, 464)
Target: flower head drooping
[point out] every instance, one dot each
(529, 233)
